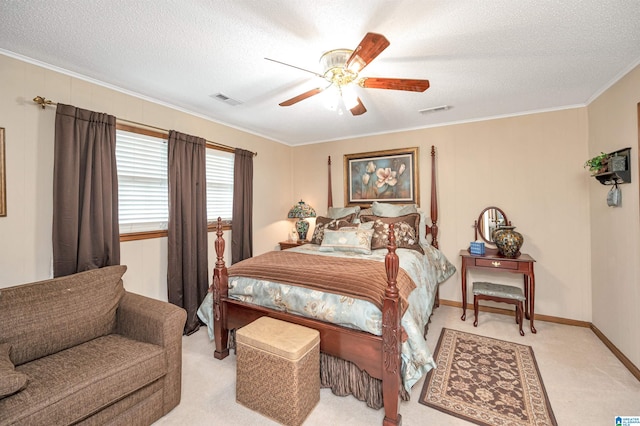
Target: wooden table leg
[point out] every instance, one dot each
(532, 299)
(464, 291)
(526, 295)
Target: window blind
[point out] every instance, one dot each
(143, 194)
(219, 184)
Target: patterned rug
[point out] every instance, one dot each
(486, 381)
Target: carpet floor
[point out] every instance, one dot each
(586, 384)
(486, 381)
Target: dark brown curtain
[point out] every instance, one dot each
(187, 266)
(86, 234)
(242, 222)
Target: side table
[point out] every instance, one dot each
(492, 260)
(289, 244)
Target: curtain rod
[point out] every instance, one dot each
(43, 102)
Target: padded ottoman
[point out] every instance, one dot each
(278, 369)
(499, 293)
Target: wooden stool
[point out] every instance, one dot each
(278, 369)
(499, 293)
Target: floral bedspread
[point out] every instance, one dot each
(427, 271)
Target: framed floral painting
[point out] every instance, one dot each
(390, 176)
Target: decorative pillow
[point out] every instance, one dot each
(392, 210)
(323, 223)
(422, 229)
(352, 240)
(395, 210)
(366, 212)
(339, 212)
(11, 381)
(405, 230)
(367, 225)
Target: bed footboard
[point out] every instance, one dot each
(379, 356)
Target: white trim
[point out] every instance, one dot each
(613, 81)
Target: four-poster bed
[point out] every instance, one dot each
(378, 355)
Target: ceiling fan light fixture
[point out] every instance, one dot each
(334, 59)
(332, 63)
(349, 96)
(341, 68)
(332, 98)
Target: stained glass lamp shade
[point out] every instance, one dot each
(301, 211)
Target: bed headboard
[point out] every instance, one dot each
(433, 229)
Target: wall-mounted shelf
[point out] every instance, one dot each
(618, 168)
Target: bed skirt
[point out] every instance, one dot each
(345, 378)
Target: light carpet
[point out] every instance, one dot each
(487, 381)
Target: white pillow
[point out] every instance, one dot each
(338, 212)
(366, 225)
(423, 229)
(350, 240)
(392, 210)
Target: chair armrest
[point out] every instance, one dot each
(154, 321)
(149, 320)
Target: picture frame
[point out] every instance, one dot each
(3, 175)
(390, 176)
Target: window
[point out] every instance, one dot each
(219, 184)
(143, 194)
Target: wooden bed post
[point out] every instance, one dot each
(220, 289)
(391, 337)
(433, 229)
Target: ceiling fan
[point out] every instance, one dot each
(341, 68)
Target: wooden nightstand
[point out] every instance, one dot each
(289, 244)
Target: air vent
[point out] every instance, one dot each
(226, 99)
(435, 109)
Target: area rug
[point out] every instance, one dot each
(486, 381)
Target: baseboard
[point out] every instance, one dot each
(622, 357)
(511, 312)
(618, 354)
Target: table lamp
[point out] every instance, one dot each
(301, 211)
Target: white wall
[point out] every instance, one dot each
(615, 232)
(25, 234)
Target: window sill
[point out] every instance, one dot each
(134, 236)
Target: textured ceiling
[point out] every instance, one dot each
(483, 58)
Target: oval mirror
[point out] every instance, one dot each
(489, 219)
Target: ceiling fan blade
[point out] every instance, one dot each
(395, 84)
(371, 46)
(358, 109)
(301, 97)
(293, 66)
